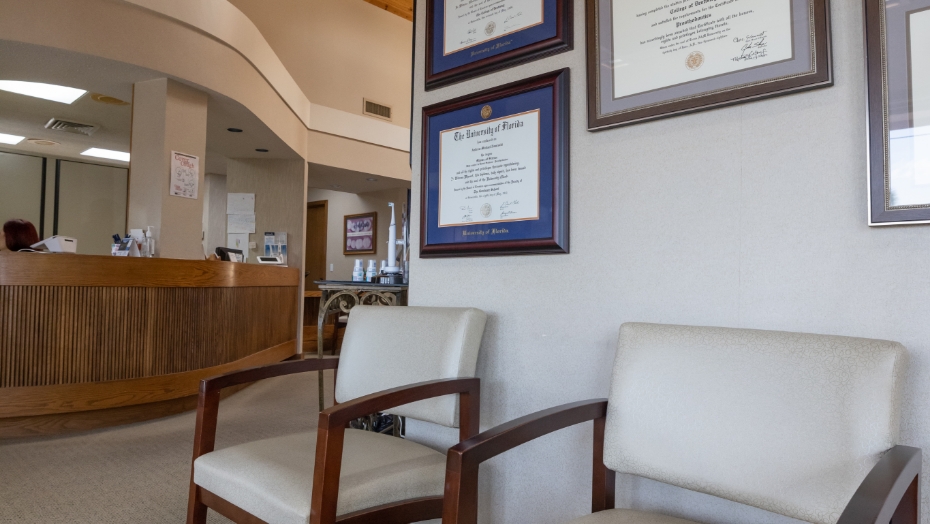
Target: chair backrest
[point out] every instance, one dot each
(787, 422)
(388, 347)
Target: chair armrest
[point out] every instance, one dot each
(341, 414)
(890, 492)
(244, 376)
(460, 505)
(332, 427)
(209, 400)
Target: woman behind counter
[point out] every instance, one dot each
(19, 235)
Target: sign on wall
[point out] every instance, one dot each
(185, 175)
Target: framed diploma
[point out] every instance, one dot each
(467, 38)
(898, 64)
(650, 59)
(494, 178)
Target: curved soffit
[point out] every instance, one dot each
(227, 24)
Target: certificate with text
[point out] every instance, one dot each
(489, 172)
(472, 22)
(468, 38)
(652, 59)
(661, 43)
(495, 171)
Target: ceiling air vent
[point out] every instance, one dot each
(68, 126)
(377, 110)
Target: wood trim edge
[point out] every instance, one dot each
(69, 398)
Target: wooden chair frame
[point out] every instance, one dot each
(889, 494)
(330, 435)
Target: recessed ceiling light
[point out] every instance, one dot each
(262, 150)
(107, 153)
(233, 130)
(107, 99)
(42, 142)
(10, 139)
(65, 95)
(372, 179)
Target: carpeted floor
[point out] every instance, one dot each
(140, 473)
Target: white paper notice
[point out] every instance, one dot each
(469, 23)
(185, 175)
(240, 223)
(658, 43)
(238, 241)
(240, 204)
(489, 172)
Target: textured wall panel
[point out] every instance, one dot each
(748, 216)
(66, 335)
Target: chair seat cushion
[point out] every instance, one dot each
(628, 516)
(273, 478)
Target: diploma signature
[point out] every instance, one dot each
(505, 212)
(467, 218)
(753, 47)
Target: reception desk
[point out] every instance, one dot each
(94, 341)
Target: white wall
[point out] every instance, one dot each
(214, 212)
(341, 204)
(748, 216)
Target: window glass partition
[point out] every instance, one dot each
(91, 205)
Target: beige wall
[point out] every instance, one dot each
(339, 51)
(278, 186)
(167, 116)
(341, 204)
(20, 188)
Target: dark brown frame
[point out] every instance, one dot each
(561, 42)
(330, 434)
(558, 241)
(374, 233)
(879, 214)
(821, 77)
(889, 494)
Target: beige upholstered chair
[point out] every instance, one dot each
(800, 425)
(409, 361)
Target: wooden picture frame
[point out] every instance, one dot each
(359, 228)
(553, 34)
(492, 231)
(660, 82)
(898, 111)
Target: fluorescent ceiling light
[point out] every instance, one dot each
(65, 95)
(10, 139)
(107, 153)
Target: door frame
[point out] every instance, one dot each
(325, 205)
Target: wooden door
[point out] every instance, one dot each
(316, 244)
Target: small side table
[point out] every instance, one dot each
(340, 297)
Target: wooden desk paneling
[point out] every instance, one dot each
(116, 333)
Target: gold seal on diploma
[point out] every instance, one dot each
(486, 210)
(695, 60)
(489, 29)
(486, 112)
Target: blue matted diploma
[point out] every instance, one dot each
(467, 38)
(494, 176)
